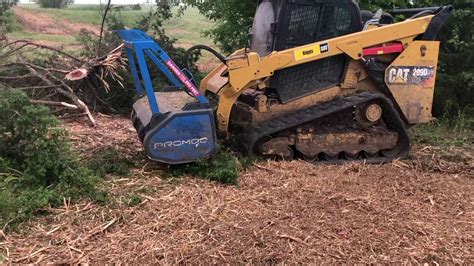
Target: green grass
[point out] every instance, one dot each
(92, 16)
(132, 200)
(33, 36)
(453, 132)
(110, 161)
(224, 167)
(86, 13)
(189, 28)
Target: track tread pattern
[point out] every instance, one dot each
(250, 137)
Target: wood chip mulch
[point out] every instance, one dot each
(419, 210)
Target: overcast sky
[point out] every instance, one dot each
(114, 2)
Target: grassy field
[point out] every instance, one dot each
(34, 36)
(187, 29)
(91, 14)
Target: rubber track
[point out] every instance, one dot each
(252, 135)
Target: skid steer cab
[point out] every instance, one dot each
(175, 123)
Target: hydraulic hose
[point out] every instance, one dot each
(203, 47)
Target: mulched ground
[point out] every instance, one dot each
(412, 211)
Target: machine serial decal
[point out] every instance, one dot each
(410, 75)
(178, 143)
(311, 51)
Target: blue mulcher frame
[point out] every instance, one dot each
(174, 137)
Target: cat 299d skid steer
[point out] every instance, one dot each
(321, 81)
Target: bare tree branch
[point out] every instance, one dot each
(99, 45)
(16, 77)
(64, 90)
(37, 87)
(47, 85)
(24, 63)
(62, 104)
(25, 43)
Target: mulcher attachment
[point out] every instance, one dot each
(176, 125)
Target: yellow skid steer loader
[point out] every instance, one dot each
(320, 80)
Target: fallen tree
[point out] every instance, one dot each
(58, 79)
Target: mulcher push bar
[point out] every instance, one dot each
(137, 45)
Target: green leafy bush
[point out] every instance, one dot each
(110, 161)
(37, 168)
(224, 167)
(7, 19)
(455, 81)
(233, 17)
(54, 3)
(132, 200)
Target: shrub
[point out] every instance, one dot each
(110, 161)
(132, 200)
(450, 130)
(7, 18)
(233, 17)
(224, 167)
(118, 99)
(455, 80)
(54, 3)
(37, 168)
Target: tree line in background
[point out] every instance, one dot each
(54, 3)
(6, 16)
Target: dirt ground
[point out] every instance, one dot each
(40, 22)
(412, 211)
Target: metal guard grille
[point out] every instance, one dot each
(303, 22)
(308, 24)
(298, 81)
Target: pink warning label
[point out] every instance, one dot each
(187, 83)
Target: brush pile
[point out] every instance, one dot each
(54, 77)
